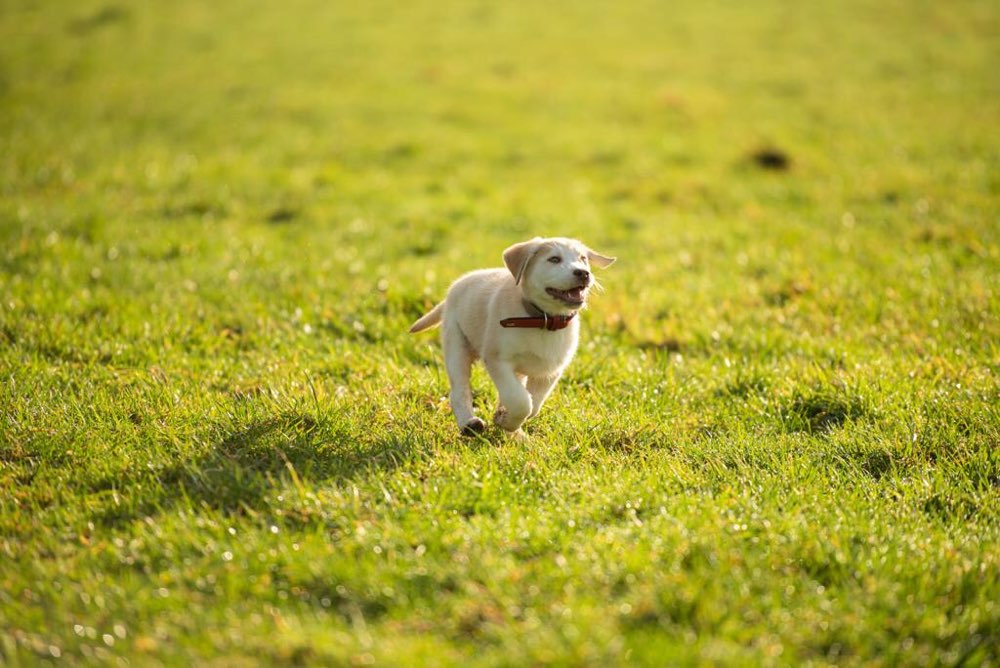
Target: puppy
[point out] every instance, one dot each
(520, 321)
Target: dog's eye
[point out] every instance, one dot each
(555, 259)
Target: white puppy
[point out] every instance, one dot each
(520, 321)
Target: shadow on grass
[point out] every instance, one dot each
(874, 463)
(821, 411)
(237, 475)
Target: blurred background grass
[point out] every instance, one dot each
(578, 112)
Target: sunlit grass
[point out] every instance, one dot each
(777, 442)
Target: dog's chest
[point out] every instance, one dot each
(541, 353)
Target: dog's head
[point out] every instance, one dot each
(554, 274)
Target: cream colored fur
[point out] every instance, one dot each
(525, 364)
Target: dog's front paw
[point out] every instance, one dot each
(518, 435)
(502, 419)
(473, 427)
(506, 421)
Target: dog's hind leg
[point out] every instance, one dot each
(458, 358)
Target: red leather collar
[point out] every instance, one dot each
(544, 321)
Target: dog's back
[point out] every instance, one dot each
(469, 296)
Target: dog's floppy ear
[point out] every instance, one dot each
(598, 260)
(519, 255)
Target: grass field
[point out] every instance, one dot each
(777, 444)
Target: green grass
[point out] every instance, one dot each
(778, 442)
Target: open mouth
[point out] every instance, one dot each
(571, 297)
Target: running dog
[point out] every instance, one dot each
(520, 321)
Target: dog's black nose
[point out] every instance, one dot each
(581, 273)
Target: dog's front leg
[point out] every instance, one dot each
(539, 387)
(515, 402)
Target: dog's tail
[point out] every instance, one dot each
(433, 317)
